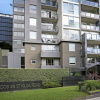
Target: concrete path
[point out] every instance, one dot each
(90, 97)
(97, 98)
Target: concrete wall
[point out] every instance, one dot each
(29, 15)
(65, 54)
(32, 54)
(14, 60)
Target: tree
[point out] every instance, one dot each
(5, 45)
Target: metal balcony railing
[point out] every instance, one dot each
(90, 27)
(90, 3)
(50, 3)
(49, 40)
(49, 28)
(91, 15)
(93, 36)
(49, 15)
(93, 51)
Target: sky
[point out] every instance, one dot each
(5, 6)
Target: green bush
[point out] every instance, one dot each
(52, 75)
(90, 85)
(50, 85)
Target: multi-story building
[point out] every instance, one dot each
(54, 33)
(6, 28)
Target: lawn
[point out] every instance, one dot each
(61, 93)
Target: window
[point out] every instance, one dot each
(69, 21)
(71, 35)
(18, 25)
(19, 50)
(19, 34)
(32, 8)
(72, 60)
(33, 61)
(19, 1)
(18, 17)
(18, 41)
(32, 35)
(33, 47)
(33, 21)
(71, 47)
(18, 9)
(49, 61)
(70, 8)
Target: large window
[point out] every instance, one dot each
(33, 21)
(18, 9)
(69, 21)
(50, 62)
(72, 60)
(18, 25)
(32, 35)
(18, 17)
(32, 8)
(50, 48)
(70, 8)
(19, 1)
(70, 35)
(71, 46)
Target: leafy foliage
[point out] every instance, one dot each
(5, 45)
(46, 75)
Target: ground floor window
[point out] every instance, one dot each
(72, 60)
(50, 61)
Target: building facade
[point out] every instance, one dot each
(6, 28)
(52, 33)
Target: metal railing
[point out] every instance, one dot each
(49, 40)
(90, 27)
(93, 51)
(87, 14)
(49, 28)
(47, 15)
(93, 36)
(90, 3)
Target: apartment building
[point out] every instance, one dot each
(6, 28)
(53, 33)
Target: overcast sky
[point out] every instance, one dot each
(5, 6)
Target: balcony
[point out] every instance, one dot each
(49, 28)
(93, 51)
(49, 40)
(49, 16)
(50, 53)
(90, 27)
(51, 5)
(93, 37)
(89, 3)
(90, 15)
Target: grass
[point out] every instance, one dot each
(61, 93)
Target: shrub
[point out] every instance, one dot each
(50, 85)
(14, 75)
(90, 85)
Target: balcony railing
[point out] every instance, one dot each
(49, 40)
(50, 3)
(49, 15)
(87, 14)
(49, 28)
(93, 51)
(93, 36)
(90, 3)
(90, 27)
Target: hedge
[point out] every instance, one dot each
(46, 75)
